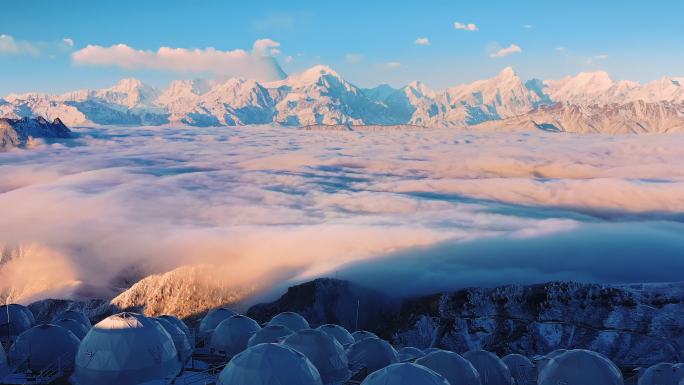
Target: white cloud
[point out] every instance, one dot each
(511, 49)
(601, 57)
(353, 58)
(422, 41)
(257, 64)
(528, 26)
(69, 42)
(393, 64)
(560, 49)
(289, 59)
(465, 27)
(266, 47)
(11, 46)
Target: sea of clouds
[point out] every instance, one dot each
(404, 211)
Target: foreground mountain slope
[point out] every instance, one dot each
(634, 325)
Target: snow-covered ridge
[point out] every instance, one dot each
(321, 96)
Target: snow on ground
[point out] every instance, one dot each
(263, 200)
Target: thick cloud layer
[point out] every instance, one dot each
(445, 207)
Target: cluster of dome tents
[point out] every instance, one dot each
(130, 348)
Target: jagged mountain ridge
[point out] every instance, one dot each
(19, 132)
(320, 96)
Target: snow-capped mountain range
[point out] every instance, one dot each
(587, 102)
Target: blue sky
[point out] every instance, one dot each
(636, 40)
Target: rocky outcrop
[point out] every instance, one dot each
(327, 300)
(634, 325)
(184, 292)
(20, 132)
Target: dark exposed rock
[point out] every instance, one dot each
(327, 300)
(18, 132)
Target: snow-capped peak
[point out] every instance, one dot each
(419, 89)
(507, 73)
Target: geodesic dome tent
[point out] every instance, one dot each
(430, 350)
(362, 334)
(372, 354)
(409, 353)
(181, 325)
(456, 369)
(179, 338)
(14, 320)
(580, 367)
(29, 314)
(126, 348)
(270, 364)
(522, 369)
(324, 352)
(491, 368)
(292, 321)
(231, 335)
(73, 315)
(43, 347)
(212, 319)
(75, 327)
(662, 374)
(268, 334)
(405, 374)
(337, 332)
(540, 361)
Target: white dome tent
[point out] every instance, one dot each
(212, 319)
(409, 353)
(231, 335)
(292, 321)
(541, 361)
(29, 313)
(362, 334)
(580, 367)
(522, 369)
(75, 327)
(662, 374)
(372, 354)
(44, 347)
(323, 351)
(14, 320)
(181, 325)
(337, 332)
(405, 374)
(270, 364)
(456, 369)
(269, 333)
(179, 338)
(126, 348)
(73, 315)
(430, 350)
(492, 370)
